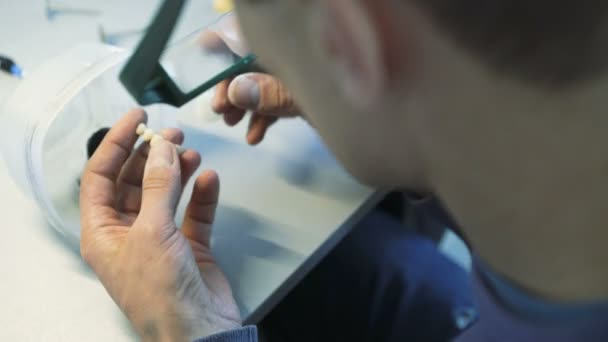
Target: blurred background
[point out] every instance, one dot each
(32, 31)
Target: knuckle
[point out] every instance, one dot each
(156, 181)
(160, 170)
(276, 99)
(159, 178)
(270, 97)
(285, 98)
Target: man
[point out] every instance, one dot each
(496, 107)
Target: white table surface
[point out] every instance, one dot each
(284, 205)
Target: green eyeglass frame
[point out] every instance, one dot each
(148, 82)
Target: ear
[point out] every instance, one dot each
(351, 43)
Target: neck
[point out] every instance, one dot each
(535, 206)
(524, 172)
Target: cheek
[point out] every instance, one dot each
(285, 47)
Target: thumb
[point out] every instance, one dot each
(161, 188)
(263, 94)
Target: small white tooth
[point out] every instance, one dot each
(148, 134)
(180, 150)
(156, 139)
(141, 129)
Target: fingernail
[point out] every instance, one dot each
(247, 92)
(161, 154)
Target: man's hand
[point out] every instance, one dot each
(165, 280)
(263, 95)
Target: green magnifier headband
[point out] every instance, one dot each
(148, 82)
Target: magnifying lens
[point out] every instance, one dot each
(147, 75)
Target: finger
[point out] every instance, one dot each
(98, 186)
(190, 161)
(229, 30)
(211, 41)
(220, 103)
(261, 93)
(162, 186)
(233, 117)
(200, 213)
(129, 186)
(258, 125)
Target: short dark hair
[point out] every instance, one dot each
(548, 42)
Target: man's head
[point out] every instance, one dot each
(413, 92)
(550, 43)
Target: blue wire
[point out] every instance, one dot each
(16, 71)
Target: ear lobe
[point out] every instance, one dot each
(353, 48)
